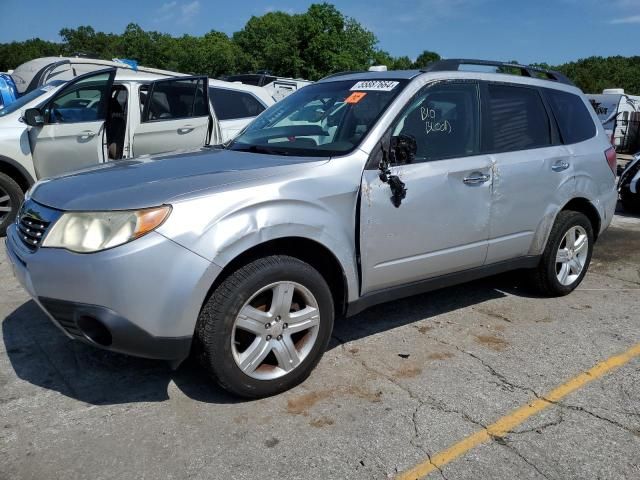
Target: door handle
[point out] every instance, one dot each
(476, 178)
(560, 165)
(185, 129)
(87, 133)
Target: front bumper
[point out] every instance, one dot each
(142, 298)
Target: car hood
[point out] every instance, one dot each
(151, 181)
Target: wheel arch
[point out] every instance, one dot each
(16, 171)
(577, 204)
(310, 251)
(584, 206)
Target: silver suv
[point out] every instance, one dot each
(356, 190)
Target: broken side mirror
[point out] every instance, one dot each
(397, 186)
(33, 117)
(402, 149)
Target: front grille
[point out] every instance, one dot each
(33, 222)
(32, 230)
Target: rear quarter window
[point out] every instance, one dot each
(514, 119)
(574, 120)
(233, 104)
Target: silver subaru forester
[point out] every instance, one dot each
(359, 189)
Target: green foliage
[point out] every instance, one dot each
(271, 42)
(594, 74)
(425, 58)
(310, 45)
(15, 53)
(331, 42)
(87, 40)
(381, 57)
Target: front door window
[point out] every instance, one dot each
(443, 120)
(84, 101)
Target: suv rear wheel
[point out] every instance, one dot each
(266, 326)
(567, 255)
(11, 197)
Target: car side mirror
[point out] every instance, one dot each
(33, 117)
(402, 149)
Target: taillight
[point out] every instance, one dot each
(612, 159)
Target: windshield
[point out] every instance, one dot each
(29, 97)
(324, 119)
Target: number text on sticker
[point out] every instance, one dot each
(379, 85)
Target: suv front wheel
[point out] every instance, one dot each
(567, 255)
(266, 326)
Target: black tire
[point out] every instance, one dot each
(9, 188)
(216, 320)
(544, 276)
(630, 201)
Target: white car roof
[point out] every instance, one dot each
(24, 74)
(124, 75)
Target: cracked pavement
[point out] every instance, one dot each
(400, 383)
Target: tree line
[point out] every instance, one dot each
(307, 45)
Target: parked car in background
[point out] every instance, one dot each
(356, 190)
(615, 109)
(629, 185)
(278, 87)
(114, 114)
(237, 104)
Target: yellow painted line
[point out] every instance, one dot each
(507, 423)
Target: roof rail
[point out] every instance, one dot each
(453, 64)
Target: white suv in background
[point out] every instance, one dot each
(114, 114)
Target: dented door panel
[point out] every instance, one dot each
(441, 226)
(528, 187)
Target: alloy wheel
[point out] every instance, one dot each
(275, 330)
(5, 204)
(572, 255)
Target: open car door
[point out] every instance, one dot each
(175, 116)
(74, 121)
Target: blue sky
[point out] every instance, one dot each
(528, 31)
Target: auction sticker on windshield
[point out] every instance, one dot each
(376, 85)
(355, 97)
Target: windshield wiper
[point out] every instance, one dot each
(260, 149)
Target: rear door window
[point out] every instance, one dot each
(515, 118)
(173, 99)
(573, 118)
(232, 104)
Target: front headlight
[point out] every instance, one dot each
(85, 232)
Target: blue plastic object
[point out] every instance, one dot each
(8, 90)
(127, 61)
